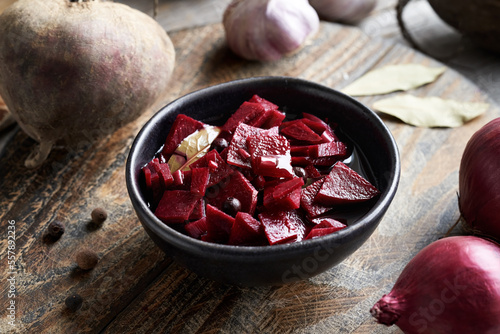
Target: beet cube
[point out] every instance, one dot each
(263, 102)
(301, 132)
(239, 141)
(244, 114)
(197, 229)
(216, 175)
(318, 232)
(270, 155)
(324, 161)
(289, 202)
(246, 231)
(344, 185)
(219, 224)
(273, 194)
(327, 222)
(176, 206)
(307, 203)
(163, 171)
(275, 118)
(312, 172)
(198, 210)
(183, 126)
(237, 186)
(199, 180)
(282, 226)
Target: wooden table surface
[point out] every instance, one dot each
(135, 288)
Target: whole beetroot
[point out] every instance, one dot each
(73, 72)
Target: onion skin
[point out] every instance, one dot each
(74, 72)
(479, 181)
(451, 286)
(347, 11)
(475, 19)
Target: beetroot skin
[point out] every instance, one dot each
(73, 72)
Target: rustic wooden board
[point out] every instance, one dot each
(137, 289)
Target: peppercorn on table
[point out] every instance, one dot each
(135, 288)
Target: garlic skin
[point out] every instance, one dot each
(267, 30)
(347, 11)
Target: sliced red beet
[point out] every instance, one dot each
(344, 185)
(218, 168)
(282, 226)
(327, 222)
(320, 162)
(219, 224)
(307, 203)
(273, 194)
(270, 155)
(199, 180)
(275, 118)
(318, 232)
(239, 142)
(312, 172)
(237, 186)
(163, 171)
(198, 210)
(183, 126)
(244, 114)
(176, 206)
(246, 231)
(301, 132)
(289, 202)
(197, 229)
(268, 105)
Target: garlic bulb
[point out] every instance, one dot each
(267, 30)
(348, 11)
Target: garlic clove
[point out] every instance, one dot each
(267, 30)
(347, 11)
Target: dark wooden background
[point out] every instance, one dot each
(135, 288)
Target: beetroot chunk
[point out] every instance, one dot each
(245, 114)
(307, 202)
(344, 185)
(301, 132)
(282, 226)
(246, 231)
(238, 144)
(236, 186)
(270, 155)
(219, 224)
(199, 180)
(175, 206)
(183, 126)
(285, 196)
(197, 229)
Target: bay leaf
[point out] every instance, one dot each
(392, 78)
(193, 147)
(430, 111)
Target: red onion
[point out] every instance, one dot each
(479, 181)
(452, 286)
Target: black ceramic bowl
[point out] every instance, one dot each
(277, 264)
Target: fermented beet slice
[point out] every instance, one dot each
(199, 180)
(198, 210)
(275, 118)
(270, 155)
(218, 168)
(280, 195)
(244, 114)
(320, 162)
(183, 126)
(246, 231)
(331, 149)
(268, 105)
(236, 186)
(219, 224)
(301, 132)
(307, 197)
(327, 222)
(163, 171)
(197, 229)
(344, 185)
(237, 153)
(282, 226)
(176, 206)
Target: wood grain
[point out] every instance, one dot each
(137, 289)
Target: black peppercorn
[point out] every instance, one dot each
(55, 229)
(87, 259)
(231, 206)
(99, 215)
(74, 302)
(219, 144)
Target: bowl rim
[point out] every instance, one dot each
(200, 247)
